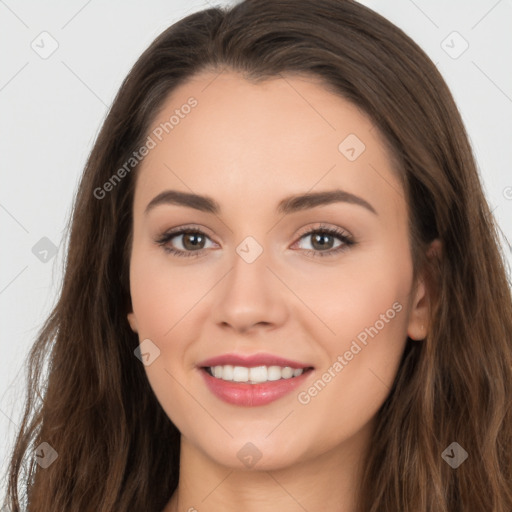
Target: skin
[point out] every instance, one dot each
(248, 147)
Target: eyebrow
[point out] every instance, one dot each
(286, 206)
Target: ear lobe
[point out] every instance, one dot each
(132, 320)
(418, 314)
(420, 306)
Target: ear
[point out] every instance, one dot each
(417, 328)
(132, 319)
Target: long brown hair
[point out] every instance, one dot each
(117, 449)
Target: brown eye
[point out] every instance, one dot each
(193, 241)
(184, 242)
(320, 241)
(327, 241)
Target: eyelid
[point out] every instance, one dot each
(324, 227)
(188, 228)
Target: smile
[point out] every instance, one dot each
(252, 380)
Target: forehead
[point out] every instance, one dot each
(254, 143)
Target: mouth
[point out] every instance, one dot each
(254, 375)
(252, 380)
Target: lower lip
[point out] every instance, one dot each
(251, 395)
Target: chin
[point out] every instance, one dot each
(254, 453)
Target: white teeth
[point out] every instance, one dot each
(226, 372)
(240, 374)
(254, 375)
(274, 373)
(258, 374)
(287, 372)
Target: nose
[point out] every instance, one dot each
(250, 297)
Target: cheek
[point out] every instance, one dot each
(166, 300)
(161, 298)
(163, 294)
(364, 301)
(344, 300)
(367, 310)
(367, 299)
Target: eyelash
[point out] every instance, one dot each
(346, 239)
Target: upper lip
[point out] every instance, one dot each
(251, 361)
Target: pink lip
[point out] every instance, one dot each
(250, 395)
(251, 361)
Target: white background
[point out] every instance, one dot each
(52, 110)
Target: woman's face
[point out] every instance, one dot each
(296, 258)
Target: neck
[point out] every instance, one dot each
(327, 482)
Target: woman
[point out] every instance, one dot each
(284, 288)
